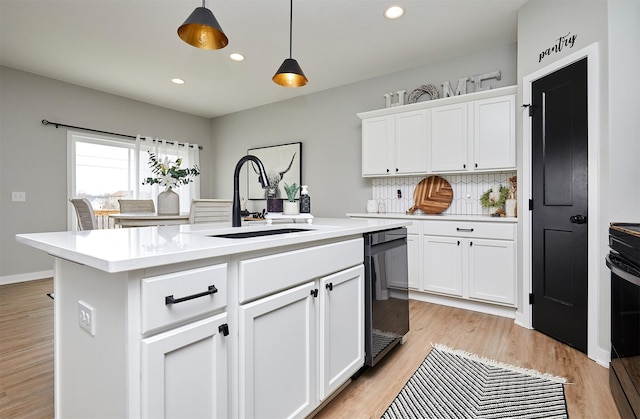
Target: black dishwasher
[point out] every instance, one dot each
(386, 292)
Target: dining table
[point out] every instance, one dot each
(142, 219)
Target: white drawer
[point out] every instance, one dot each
(267, 275)
(500, 231)
(158, 312)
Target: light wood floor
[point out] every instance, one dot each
(26, 358)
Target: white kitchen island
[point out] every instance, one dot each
(175, 322)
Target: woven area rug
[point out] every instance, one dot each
(456, 384)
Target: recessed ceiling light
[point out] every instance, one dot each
(177, 81)
(394, 12)
(236, 57)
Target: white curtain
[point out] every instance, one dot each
(190, 154)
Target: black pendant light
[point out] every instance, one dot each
(202, 30)
(290, 74)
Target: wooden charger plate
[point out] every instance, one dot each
(432, 195)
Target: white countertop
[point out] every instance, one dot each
(125, 249)
(439, 217)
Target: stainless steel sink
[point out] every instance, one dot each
(259, 233)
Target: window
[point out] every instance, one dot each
(104, 169)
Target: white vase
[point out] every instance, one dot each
(290, 208)
(168, 203)
(372, 206)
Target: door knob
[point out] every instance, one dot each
(578, 219)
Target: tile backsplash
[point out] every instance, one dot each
(467, 189)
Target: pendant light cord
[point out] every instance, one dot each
(290, 29)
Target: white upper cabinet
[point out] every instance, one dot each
(449, 138)
(476, 136)
(467, 133)
(395, 144)
(378, 145)
(494, 133)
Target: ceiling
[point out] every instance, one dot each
(130, 47)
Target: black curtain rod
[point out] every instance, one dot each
(58, 125)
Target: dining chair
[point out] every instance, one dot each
(136, 205)
(209, 210)
(84, 213)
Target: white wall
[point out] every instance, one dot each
(330, 132)
(33, 157)
(624, 110)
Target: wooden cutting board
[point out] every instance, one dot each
(432, 195)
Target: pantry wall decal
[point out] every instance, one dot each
(564, 41)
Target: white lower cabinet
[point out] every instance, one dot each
(443, 265)
(492, 270)
(184, 371)
(341, 328)
(414, 255)
(277, 355)
(470, 260)
(298, 346)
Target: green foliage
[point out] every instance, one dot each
(169, 174)
(291, 191)
(489, 203)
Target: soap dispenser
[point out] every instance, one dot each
(305, 200)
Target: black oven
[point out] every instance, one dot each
(624, 369)
(386, 292)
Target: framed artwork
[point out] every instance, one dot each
(283, 163)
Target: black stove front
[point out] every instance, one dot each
(624, 371)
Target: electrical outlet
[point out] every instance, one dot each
(87, 317)
(18, 196)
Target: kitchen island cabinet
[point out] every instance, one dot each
(160, 342)
(306, 340)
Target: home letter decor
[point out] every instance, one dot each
(429, 89)
(477, 80)
(460, 90)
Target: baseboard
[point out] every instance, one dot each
(498, 310)
(31, 276)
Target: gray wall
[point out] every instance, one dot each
(33, 158)
(330, 132)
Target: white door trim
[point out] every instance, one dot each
(600, 355)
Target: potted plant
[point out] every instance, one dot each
(169, 175)
(291, 206)
(494, 200)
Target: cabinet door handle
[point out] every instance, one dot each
(329, 286)
(396, 170)
(170, 300)
(470, 244)
(464, 166)
(458, 242)
(387, 170)
(476, 165)
(224, 329)
(468, 230)
(314, 293)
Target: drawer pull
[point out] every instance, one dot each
(170, 300)
(329, 286)
(224, 329)
(468, 230)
